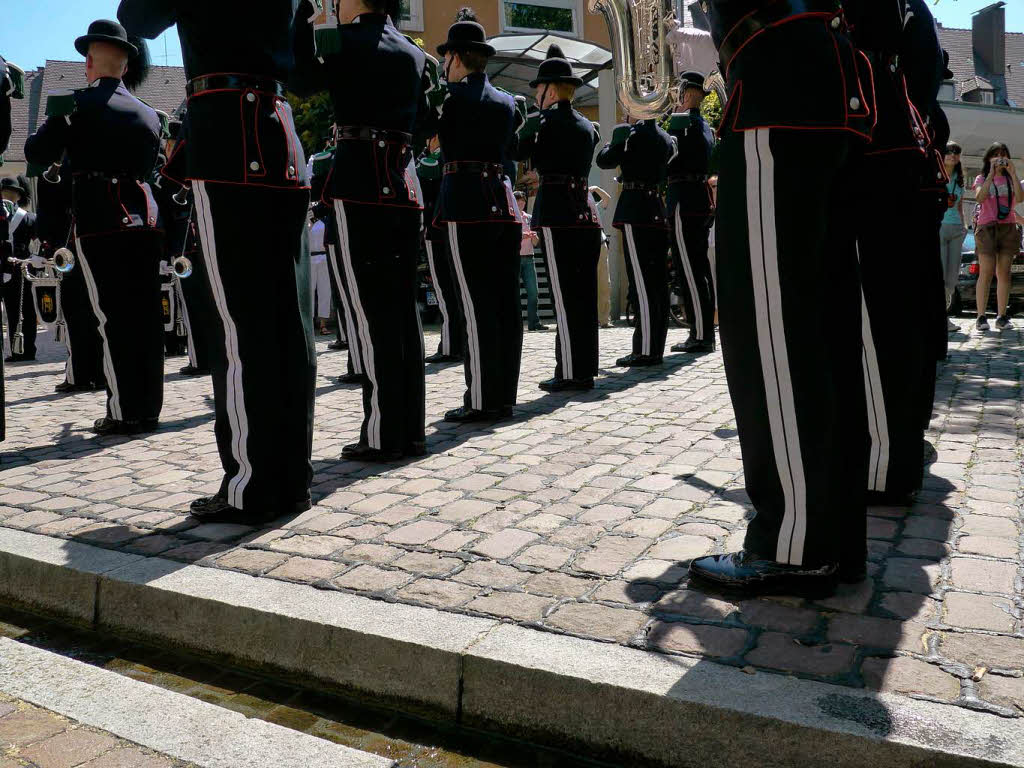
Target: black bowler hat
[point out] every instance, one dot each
(466, 36)
(692, 79)
(14, 183)
(105, 31)
(556, 69)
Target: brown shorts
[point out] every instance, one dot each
(998, 240)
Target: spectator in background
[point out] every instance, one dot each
(604, 283)
(320, 281)
(527, 268)
(997, 190)
(954, 228)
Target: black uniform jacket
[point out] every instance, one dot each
(643, 158)
(562, 151)
(21, 230)
(812, 46)
(688, 189)
(378, 83)
(112, 141)
(478, 128)
(237, 135)
(5, 107)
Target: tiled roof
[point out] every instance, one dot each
(164, 89)
(959, 43)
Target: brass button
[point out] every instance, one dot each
(836, 22)
(126, 220)
(854, 103)
(254, 166)
(381, 144)
(494, 209)
(250, 97)
(386, 190)
(114, 180)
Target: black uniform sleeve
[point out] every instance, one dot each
(426, 115)
(47, 145)
(309, 76)
(148, 18)
(611, 156)
(922, 57)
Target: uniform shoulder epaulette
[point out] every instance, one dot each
(322, 162)
(326, 37)
(165, 122)
(13, 81)
(429, 166)
(437, 93)
(679, 121)
(532, 125)
(62, 102)
(621, 133)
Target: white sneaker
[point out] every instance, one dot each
(951, 326)
(982, 324)
(1003, 323)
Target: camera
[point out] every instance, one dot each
(1001, 162)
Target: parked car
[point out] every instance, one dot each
(965, 296)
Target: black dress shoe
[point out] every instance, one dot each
(561, 385)
(695, 347)
(215, 509)
(108, 426)
(890, 498)
(637, 361)
(363, 452)
(415, 449)
(351, 378)
(464, 415)
(438, 357)
(191, 370)
(339, 345)
(538, 327)
(746, 573)
(66, 387)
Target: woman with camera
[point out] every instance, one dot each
(953, 229)
(997, 190)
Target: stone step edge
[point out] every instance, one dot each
(167, 722)
(602, 699)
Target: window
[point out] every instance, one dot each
(562, 16)
(411, 15)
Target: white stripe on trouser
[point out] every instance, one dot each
(771, 342)
(108, 361)
(350, 324)
(362, 326)
(69, 369)
(878, 422)
(446, 323)
(238, 419)
(646, 332)
(698, 309)
(476, 392)
(556, 293)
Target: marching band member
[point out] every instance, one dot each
(478, 130)
(643, 151)
(691, 212)
(453, 324)
(562, 150)
(378, 211)
(797, 387)
(17, 291)
(112, 140)
(263, 374)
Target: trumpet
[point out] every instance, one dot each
(52, 174)
(181, 196)
(179, 268)
(54, 269)
(63, 260)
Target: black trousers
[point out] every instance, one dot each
(197, 312)
(262, 354)
(690, 254)
(647, 269)
(377, 250)
(797, 386)
(339, 314)
(453, 323)
(895, 364)
(17, 296)
(122, 279)
(571, 255)
(485, 257)
(84, 364)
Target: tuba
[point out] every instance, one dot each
(644, 71)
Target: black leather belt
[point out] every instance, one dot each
(756, 22)
(690, 178)
(233, 82)
(104, 176)
(564, 178)
(369, 134)
(639, 185)
(474, 166)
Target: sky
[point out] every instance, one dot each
(37, 30)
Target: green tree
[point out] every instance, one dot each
(711, 110)
(314, 117)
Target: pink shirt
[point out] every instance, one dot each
(526, 249)
(989, 210)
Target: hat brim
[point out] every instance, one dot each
(459, 47)
(569, 80)
(14, 188)
(685, 86)
(82, 44)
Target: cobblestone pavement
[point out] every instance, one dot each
(31, 737)
(579, 516)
